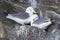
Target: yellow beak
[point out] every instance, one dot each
(34, 12)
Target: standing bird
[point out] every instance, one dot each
(23, 17)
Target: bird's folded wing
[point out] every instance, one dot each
(20, 15)
(39, 21)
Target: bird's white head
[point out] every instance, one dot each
(30, 10)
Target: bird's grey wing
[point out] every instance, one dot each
(20, 15)
(39, 21)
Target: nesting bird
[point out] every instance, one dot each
(29, 17)
(23, 17)
(41, 22)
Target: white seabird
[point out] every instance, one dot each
(23, 17)
(41, 23)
